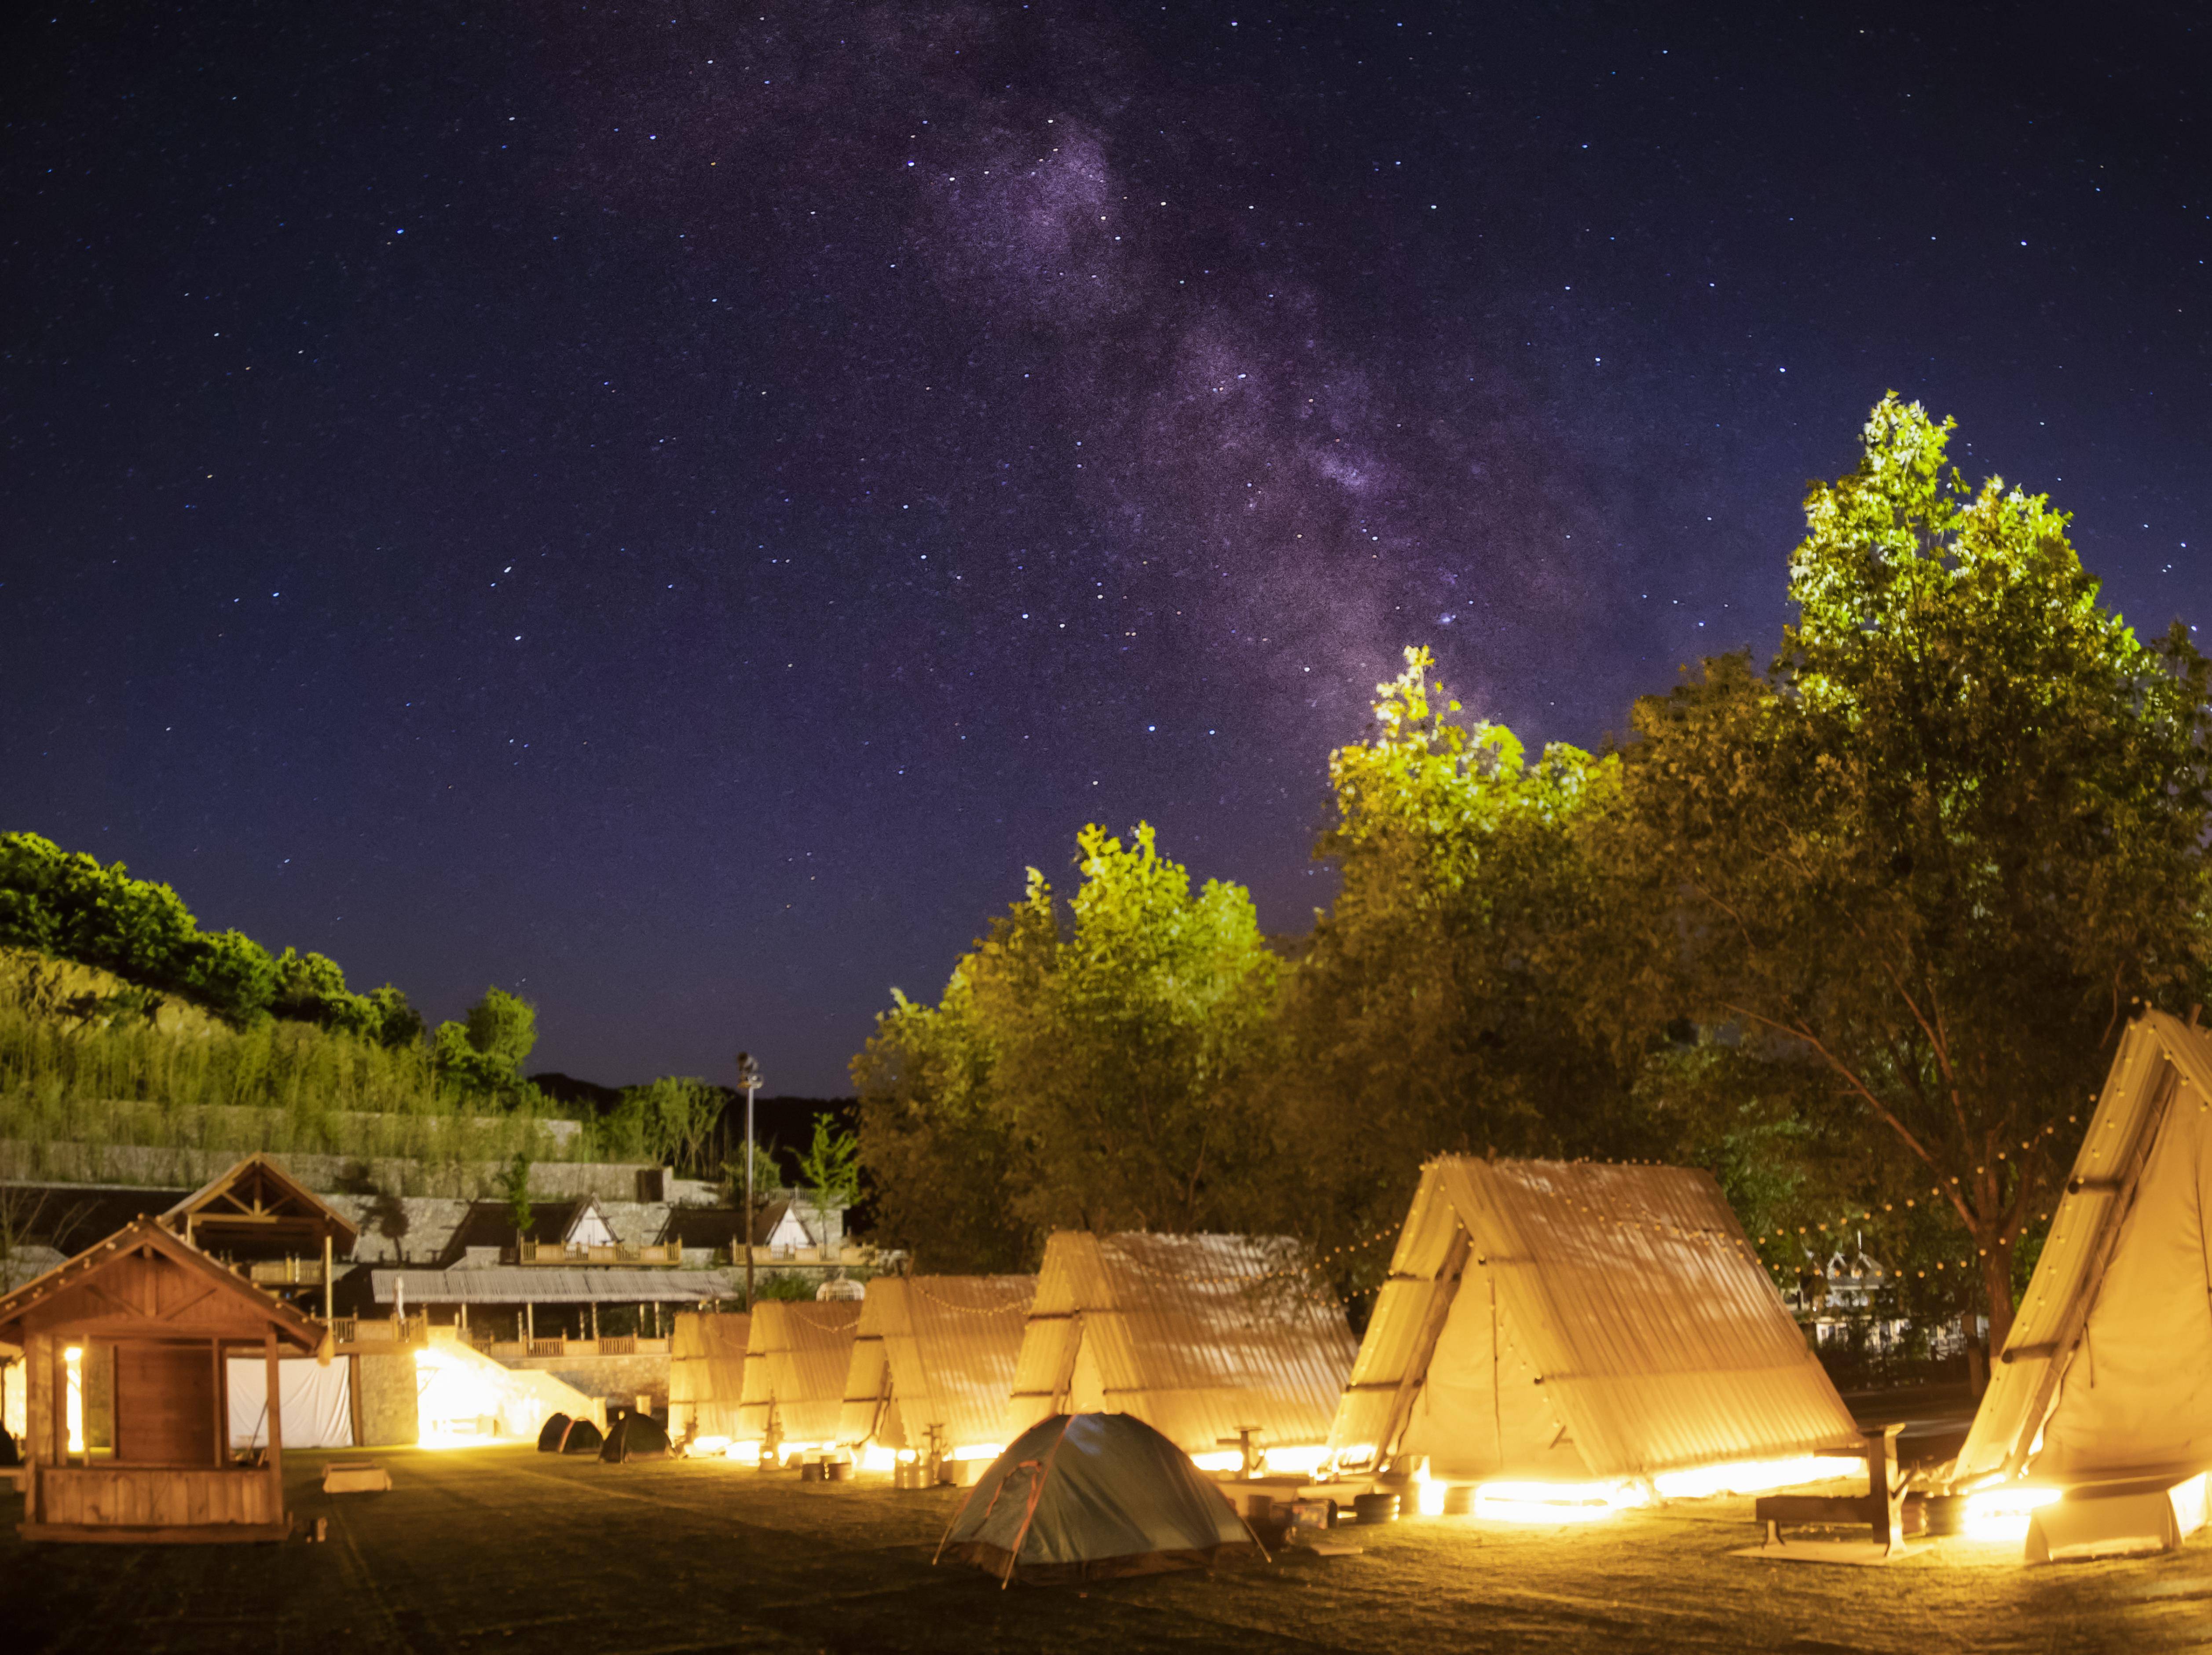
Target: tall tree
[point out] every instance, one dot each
(1939, 849)
(1449, 1000)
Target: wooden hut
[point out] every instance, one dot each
(154, 1319)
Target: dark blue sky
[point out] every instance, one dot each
(671, 509)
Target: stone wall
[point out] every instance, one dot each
(621, 1380)
(384, 1392)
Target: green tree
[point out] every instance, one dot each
(677, 1116)
(1928, 863)
(1467, 991)
(832, 1166)
(514, 1186)
(1094, 1079)
(484, 1056)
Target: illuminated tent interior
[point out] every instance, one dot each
(1201, 1336)
(797, 1353)
(2107, 1375)
(933, 1360)
(1565, 1324)
(706, 1376)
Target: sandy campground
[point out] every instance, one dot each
(502, 1548)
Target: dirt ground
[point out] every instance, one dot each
(503, 1549)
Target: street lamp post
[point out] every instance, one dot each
(748, 1077)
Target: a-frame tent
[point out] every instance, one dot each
(2107, 1375)
(934, 1360)
(797, 1353)
(706, 1374)
(1567, 1323)
(1203, 1337)
(157, 1318)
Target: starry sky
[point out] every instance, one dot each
(671, 508)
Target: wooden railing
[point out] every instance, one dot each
(850, 1254)
(659, 1254)
(285, 1272)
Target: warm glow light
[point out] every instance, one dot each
(877, 1457)
(978, 1450)
(452, 1401)
(1227, 1459)
(2001, 1513)
(1556, 1502)
(1753, 1476)
(746, 1453)
(1301, 1461)
(706, 1447)
(1428, 1496)
(73, 1359)
(1360, 1453)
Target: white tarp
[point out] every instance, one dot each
(318, 1401)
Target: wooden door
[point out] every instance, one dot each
(165, 1404)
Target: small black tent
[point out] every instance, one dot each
(1088, 1496)
(553, 1433)
(635, 1437)
(583, 1438)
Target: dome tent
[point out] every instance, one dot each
(635, 1437)
(554, 1434)
(1089, 1496)
(582, 1437)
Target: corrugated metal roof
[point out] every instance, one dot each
(705, 1373)
(1198, 1335)
(796, 1354)
(1629, 1294)
(516, 1284)
(935, 1350)
(2137, 1182)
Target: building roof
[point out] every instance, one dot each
(491, 1224)
(1198, 1335)
(258, 1207)
(147, 1276)
(722, 1226)
(796, 1354)
(524, 1284)
(934, 1350)
(2107, 1371)
(1568, 1320)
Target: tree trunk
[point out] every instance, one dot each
(1996, 1287)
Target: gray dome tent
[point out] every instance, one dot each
(635, 1437)
(1088, 1496)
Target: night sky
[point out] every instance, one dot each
(671, 509)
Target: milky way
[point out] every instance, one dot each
(674, 509)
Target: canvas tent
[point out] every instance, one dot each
(796, 1357)
(1201, 1336)
(706, 1374)
(1091, 1497)
(934, 1353)
(2107, 1375)
(1567, 1323)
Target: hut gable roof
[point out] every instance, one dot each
(257, 1206)
(143, 1281)
(491, 1224)
(1570, 1318)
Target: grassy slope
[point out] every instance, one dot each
(507, 1549)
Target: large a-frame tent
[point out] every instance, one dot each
(1563, 1322)
(1200, 1336)
(2107, 1375)
(797, 1353)
(933, 1360)
(706, 1374)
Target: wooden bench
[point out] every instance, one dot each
(1880, 1509)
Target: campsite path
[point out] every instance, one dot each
(506, 1549)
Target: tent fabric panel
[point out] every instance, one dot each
(797, 1355)
(705, 1373)
(2157, 1053)
(868, 1391)
(1043, 1370)
(1481, 1412)
(518, 1284)
(953, 1344)
(2136, 1396)
(1635, 1293)
(317, 1402)
(1402, 1309)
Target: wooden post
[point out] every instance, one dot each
(221, 1388)
(276, 1417)
(326, 1276)
(529, 1326)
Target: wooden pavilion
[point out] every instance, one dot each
(260, 1217)
(156, 1318)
